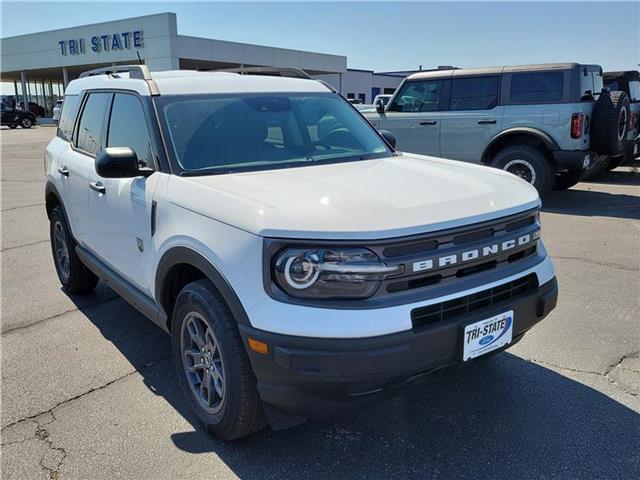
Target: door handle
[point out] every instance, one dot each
(428, 122)
(64, 171)
(98, 187)
(486, 122)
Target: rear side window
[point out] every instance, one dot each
(634, 91)
(418, 96)
(91, 128)
(128, 127)
(68, 117)
(537, 87)
(478, 93)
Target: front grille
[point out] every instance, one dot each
(438, 244)
(440, 312)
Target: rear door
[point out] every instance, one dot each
(121, 208)
(472, 118)
(77, 158)
(414, 117)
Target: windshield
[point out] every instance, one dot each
(240, 132)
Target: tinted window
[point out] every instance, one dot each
(479, 93)
(128, 127)
(222, 133)
(91, 126)
(634, 91)
(536, 87)
(613, 84)
(68, 117)
(591, 83)
(418, 96)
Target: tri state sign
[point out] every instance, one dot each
(102, 43)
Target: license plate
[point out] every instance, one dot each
(487, 335)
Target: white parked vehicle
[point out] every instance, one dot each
(300, 263)
(384, 98)
(57, 108)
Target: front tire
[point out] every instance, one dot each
(72, 273)
(212, 365)
(26, 123)
(529, 163)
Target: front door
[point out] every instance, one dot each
(8, 115)
(414, 117)
(121, 208)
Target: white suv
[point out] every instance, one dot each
(299, 262)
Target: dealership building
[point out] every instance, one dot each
(40, 65)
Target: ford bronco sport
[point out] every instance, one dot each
(300, 263)
(544, 123)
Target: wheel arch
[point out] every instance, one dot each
(518, 135)
(52, 198)
(179, 266)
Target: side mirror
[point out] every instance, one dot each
(380, 106)
(120, 162)
(389, 137)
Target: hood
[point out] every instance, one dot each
(370, 199)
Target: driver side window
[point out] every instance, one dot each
(418, 96)
(128, 127)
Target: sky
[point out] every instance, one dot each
(384, 36)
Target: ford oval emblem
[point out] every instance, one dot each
(486, 340)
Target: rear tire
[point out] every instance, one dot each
(212, 364)
(13, 127)
(566, 180)
(72, 273)
(529, 163)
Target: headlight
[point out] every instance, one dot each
(330, 273)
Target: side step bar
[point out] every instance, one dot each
(142, 302)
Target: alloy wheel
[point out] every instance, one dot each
(202, 361)
(61, 249)
(522, 169)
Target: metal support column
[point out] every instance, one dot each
(23, 81)
(65, 77)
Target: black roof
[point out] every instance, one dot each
(629, 75)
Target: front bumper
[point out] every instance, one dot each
(321, 377)
(574, 159)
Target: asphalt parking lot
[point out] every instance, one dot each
(88, 387)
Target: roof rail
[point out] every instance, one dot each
(139, 72)
(270, 71)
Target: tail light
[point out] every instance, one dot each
(577, 124)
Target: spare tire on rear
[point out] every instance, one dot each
(610, 123)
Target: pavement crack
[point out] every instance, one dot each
(24, 245)
(596, 262)
(22, 206)
(604, 374)
(58, 315)
(76, 397)
(53, 468)
(619, 362)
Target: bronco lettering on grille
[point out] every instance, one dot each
(486, 251)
